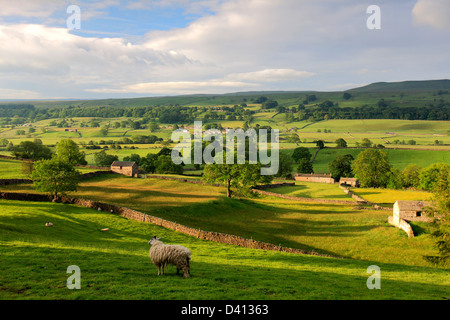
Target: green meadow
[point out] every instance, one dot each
(337, 230)
(115, 264)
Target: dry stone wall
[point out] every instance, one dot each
(140, 216)
(401, 224)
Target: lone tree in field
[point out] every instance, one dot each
(301, 153)
(372, 168)
(67, 150)
(235, 176)
(55, 177)
(341, 143)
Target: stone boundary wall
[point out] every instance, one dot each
(354, 196)
(401, 224)
(14, 158)
(362, 200)
(5, 182)
(139, 216)
(94, 174)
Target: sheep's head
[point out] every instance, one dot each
(153, 240)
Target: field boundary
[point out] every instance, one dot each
(83, 176)
(140, 216)
(360, 199)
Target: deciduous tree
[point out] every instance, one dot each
(55, 177)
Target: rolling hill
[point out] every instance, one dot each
(409, 91)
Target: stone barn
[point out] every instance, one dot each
(127, 168)
(410, 210)
(350, 182)
(311, 177)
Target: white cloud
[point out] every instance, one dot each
(433, 13)
(261, 31)
(271, 75)
(19, 94)
(33, 8)
(235, 45)
(178, 87)
(39, 54)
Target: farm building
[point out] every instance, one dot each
(410, 210)
(311, 177)
(126, 168)
(350, 182)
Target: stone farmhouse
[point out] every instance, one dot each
(311, 177)
(410, 210)
(127, 168)
(350, 182)
(405, 211)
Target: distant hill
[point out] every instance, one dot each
(404, 86)
(400, 94)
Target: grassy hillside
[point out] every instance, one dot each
(407, 86)
(115, 264)
(399, 159)
(338, 230)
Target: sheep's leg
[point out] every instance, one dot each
(186, 271)
(158, 266)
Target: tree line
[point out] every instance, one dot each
(22, 113)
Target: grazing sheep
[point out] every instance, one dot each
(49, 224)
(163, 254)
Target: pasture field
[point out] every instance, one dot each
(398, 158)
(313, 190)
(115, 264)
(338, 230)
(12, 169)
(388, 196)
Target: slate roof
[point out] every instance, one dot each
(123, 164)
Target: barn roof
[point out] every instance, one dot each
(404, 205)
(123, 163)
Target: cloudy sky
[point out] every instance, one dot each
(139, 48)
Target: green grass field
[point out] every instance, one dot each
(313, 190)
(338, 230)
(399, 159)
(11, 169)
(389, 197)
(115, 264)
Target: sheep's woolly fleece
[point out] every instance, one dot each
(163, 254)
